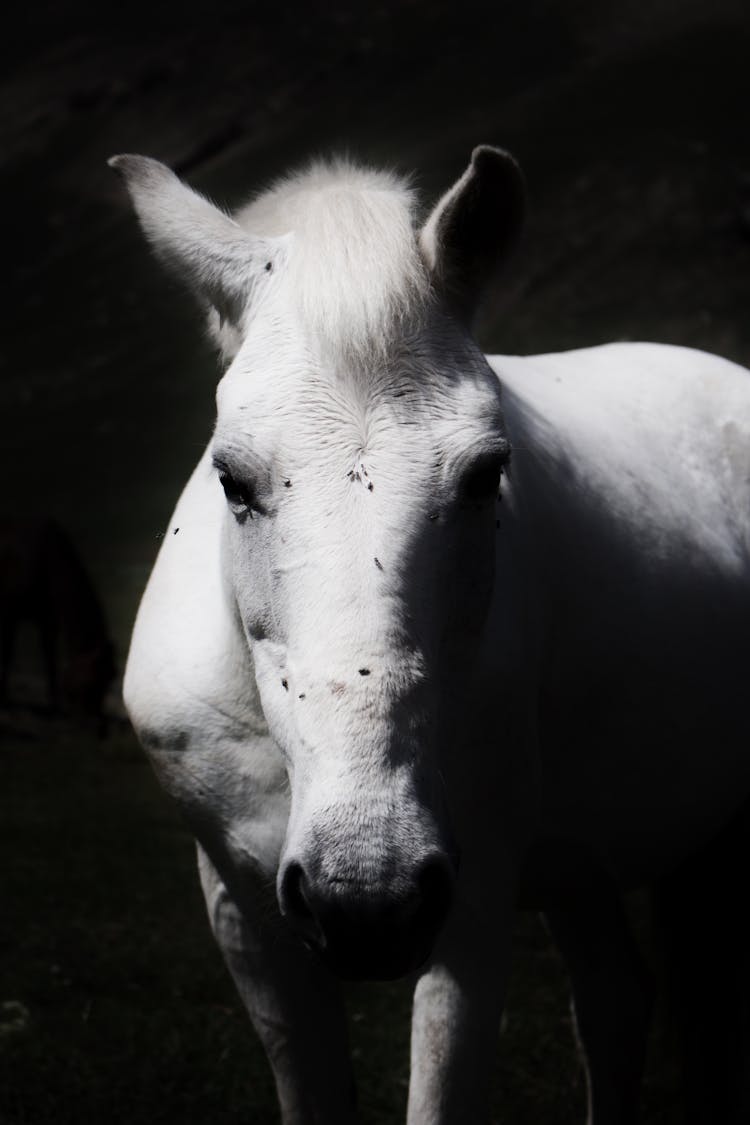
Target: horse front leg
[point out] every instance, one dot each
(613, 996)
(294, 1003)
(459, 999)
(458, 1003)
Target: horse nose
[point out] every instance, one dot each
(369, 934)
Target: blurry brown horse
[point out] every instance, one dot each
(44, 581)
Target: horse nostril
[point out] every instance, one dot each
(294, 900)
(293, 896)
(378, 931)
(435, 881)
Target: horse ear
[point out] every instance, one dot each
(473, 226)
(204, 246)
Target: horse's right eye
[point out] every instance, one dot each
(239, 497)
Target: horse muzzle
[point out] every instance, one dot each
(369, 932)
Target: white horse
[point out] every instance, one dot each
(393, 699)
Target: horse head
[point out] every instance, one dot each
(359, 444)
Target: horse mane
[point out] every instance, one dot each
(354, 268)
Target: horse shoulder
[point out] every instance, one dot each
(191, 694)
(630, 477)
(636, 378)
(189, 672)
(660, 434)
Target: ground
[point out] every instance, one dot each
(631, 125)
(114, 1003)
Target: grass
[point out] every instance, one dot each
(114, 1002)
(131, 1016)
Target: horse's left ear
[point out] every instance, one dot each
(473, 226)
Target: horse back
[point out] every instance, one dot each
(630, 484)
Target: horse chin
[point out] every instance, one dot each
(379, 962)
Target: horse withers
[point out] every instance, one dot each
(405, 704)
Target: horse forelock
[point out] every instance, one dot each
(354, 268)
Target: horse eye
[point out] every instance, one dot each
(482, 483)
(239, 496)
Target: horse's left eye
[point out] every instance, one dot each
(482, 482)
(239, 497)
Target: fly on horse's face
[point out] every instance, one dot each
(359, 443)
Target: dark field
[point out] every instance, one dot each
(117, 1007)
(632, 126)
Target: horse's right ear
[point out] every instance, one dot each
(204, 246)
(473, 227)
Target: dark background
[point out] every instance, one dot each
(630, 120)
